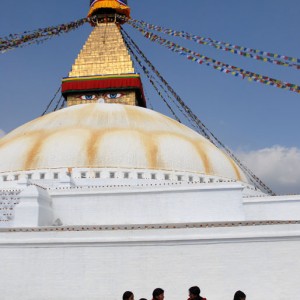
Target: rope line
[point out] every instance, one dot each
(58, 102)
(62, 104)
(203, 129)
(146, 72)
(177, 97)
(128, 39)
(51, 101)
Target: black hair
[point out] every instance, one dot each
(195, 290)
(157, 292)
(239, 295)
(127, 295)
(143, 299)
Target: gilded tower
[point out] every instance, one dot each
(103, 71)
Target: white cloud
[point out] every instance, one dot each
(2, 133)
(278, 167)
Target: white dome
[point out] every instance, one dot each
(112, 136)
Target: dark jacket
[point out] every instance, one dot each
(199, 298)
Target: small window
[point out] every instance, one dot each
(83, 174)
(179, 177)
(126, 175)
(211, 180)
(153, 176)
(201, 180)
(4, 178)
(140, 175)
(167, 177)
(16, 177)
(42, 176)
(112, 175)
(29, 176)
(97, 175)
(55, 175)
(190, 178)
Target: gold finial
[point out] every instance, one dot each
(107, 10)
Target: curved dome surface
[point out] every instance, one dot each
(112, 136)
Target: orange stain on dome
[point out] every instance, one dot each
(33, 153)
(95, 121)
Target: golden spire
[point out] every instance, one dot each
(104, 53)
(103, 71)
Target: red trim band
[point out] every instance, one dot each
(73, 86)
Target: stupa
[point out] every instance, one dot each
(106, 195)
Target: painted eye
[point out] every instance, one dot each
(87, 97)
(113, 95)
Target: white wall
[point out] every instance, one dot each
(145, 205)
(102, 265)
(143, 202)
(272, 208)
(34, 208)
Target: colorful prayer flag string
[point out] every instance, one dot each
(217, 65)
(277, 59)
(38, 36)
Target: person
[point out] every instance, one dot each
(239, 295)
(194, 293)
(158, 294)
(128, 295)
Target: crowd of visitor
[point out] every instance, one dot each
(194, 294)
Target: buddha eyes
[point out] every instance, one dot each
(88, 97)
(113, 95)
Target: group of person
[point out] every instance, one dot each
(194, 294)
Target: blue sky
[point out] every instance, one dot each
(252, 119)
